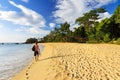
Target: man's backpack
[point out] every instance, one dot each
(33, 48)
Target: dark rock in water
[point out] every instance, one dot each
(16, 43)
(2, 43)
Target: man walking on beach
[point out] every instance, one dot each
(36, 51)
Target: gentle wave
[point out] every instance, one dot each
(13, 58)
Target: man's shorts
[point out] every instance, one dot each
(36, 53)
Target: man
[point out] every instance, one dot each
(36, 51)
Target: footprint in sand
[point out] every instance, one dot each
(57, 75)
(66, 67)
(27, 71)
(118, 74)
(27, 76)
(29, 67)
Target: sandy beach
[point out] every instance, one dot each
(73, 61)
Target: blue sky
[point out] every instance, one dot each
(22, 19)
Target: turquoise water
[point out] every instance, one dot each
(13, 58)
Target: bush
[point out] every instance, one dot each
(106, 38)
(31, 40)
(91, 38)
(118, 40)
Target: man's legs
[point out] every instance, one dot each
(36, 56)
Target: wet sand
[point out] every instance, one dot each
(73, 61)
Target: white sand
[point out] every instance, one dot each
(72, 61)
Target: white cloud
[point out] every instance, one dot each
(1, 26)
(69, 10)
(12, 38)
(21, 29)
(73, 26)
(27, 17)
(37, 30)
(104, 15)
(52, 25)
(15, 37)
(25, 1)
(32, 30)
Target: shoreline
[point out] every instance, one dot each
(22, 75)
(73, 61)
(22, 72)
(13, 58)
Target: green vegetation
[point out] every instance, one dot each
(31, 40)
(118, 40)
(89, 29)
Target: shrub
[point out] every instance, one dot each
(31, 40)
(118, 40)
(106, 38)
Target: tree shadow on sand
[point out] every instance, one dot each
(53, 57)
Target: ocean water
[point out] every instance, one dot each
(13, 58)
